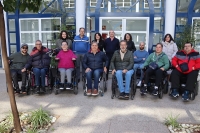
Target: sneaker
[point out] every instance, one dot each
(43, 89)
(23, 89)
(143, 90)
(139, 83)
(121, 95)
(89, 92)
(61, 86)
(185, 96)
(175, 93)
(68, 86)
(126, 95)
(95, 92)
(37, 89)
(155, 92)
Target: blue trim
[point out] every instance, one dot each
(115, 5)
(151, 24)
(97, 14)
(43, 10)
(8, 34)
(190, 11)
(17, 30)
(132, 5)
(127, 14)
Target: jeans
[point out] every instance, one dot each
(119, 76)
(96, 74)
(140, 66)
(78, 65)
(14, 74)
(190, 82)
(158, 74)
(66, 72)
(40, 73)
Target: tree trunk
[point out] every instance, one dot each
(15, 113)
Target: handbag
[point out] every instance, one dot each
(154, 65)
(184, 66)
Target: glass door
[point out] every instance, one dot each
(196, 23)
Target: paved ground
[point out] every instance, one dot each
(78, 113)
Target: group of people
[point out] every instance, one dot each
(97, 57)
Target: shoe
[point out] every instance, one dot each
(95, 92)
(143, 90)
(139, 83)
(155, 92)
(89, 92)
(126, 95)
(17, 90)
(61, 87)
(37, 89)
(68, 86)
(121, 95)
(185, 96)
(175, 93)
(23, 89)
(43, 90)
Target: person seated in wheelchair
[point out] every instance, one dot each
(122, 65)
(94, 67)
(156, 64)
(65, 65)
(186, 63)
(39, 61)
(139, 58)
(17, 62)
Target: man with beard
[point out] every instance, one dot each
(139, 58)
(17, 63)
(122, 65)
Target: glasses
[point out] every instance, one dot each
(24, 47)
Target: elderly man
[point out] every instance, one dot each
(93, 65)
(139, 58)
(111, 44)
(122, 64)
(17, 62)
(186, 62)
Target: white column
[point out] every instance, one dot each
(109, 6)
(137, 7)
(80, 14)
(170, 17)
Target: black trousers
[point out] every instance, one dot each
(15, 73)
(158, 73)
(190, 82)
(109, 59)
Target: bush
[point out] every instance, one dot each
(3, 128)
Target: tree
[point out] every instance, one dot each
(12, 6)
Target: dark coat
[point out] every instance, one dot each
(95, 61)
(101, 44)
(39, 59)
(118, 64)
(131, 46)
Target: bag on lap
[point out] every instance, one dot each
(154, 65)
(184, 66)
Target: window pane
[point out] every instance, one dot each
(136, 25)
(13, 49)
(29, 37)
(183, 5)
(49, 36)
(29, 25)
(196, 23)
(158, 24)
(50, 24)
(157, 38)
(90, 24)
(12, 37)
(138, 37)
(112, 24)
(11, 25)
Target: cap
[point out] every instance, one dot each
(24, 44)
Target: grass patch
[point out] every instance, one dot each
(172, 120)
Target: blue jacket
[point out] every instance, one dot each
(140, 55)
(95, 61)
(81, 45)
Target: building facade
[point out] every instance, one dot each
(145, 20)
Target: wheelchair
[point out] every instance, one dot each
(162, 88)
(115, 90)
(101, 89)
(56, 79)
(193, 94)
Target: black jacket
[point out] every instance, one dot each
(39, 59)
(95, 61)
(131, 46)
(101, 44)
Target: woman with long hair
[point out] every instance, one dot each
(130, 43)
(63, 37)
(99, 40)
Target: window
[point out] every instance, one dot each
(123, 3)
(156, 3)
(69, 3)
(94, 2)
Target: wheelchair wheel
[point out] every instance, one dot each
(75, 90)
(113, 87)
(104, 85)
(196, 88)
(192, 96)
(160, 92)
(165, 87)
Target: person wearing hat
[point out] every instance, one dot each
(17, 62)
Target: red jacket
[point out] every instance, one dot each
(182, 57)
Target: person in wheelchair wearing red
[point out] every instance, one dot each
(17, 62)
(65, 65)
(39, 61)
(93, 65)
(156, 63)
(186, 63)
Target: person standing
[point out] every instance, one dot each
(130, 43)
(111, 44)
(63, 37)
(80, 46)
(99, 40)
